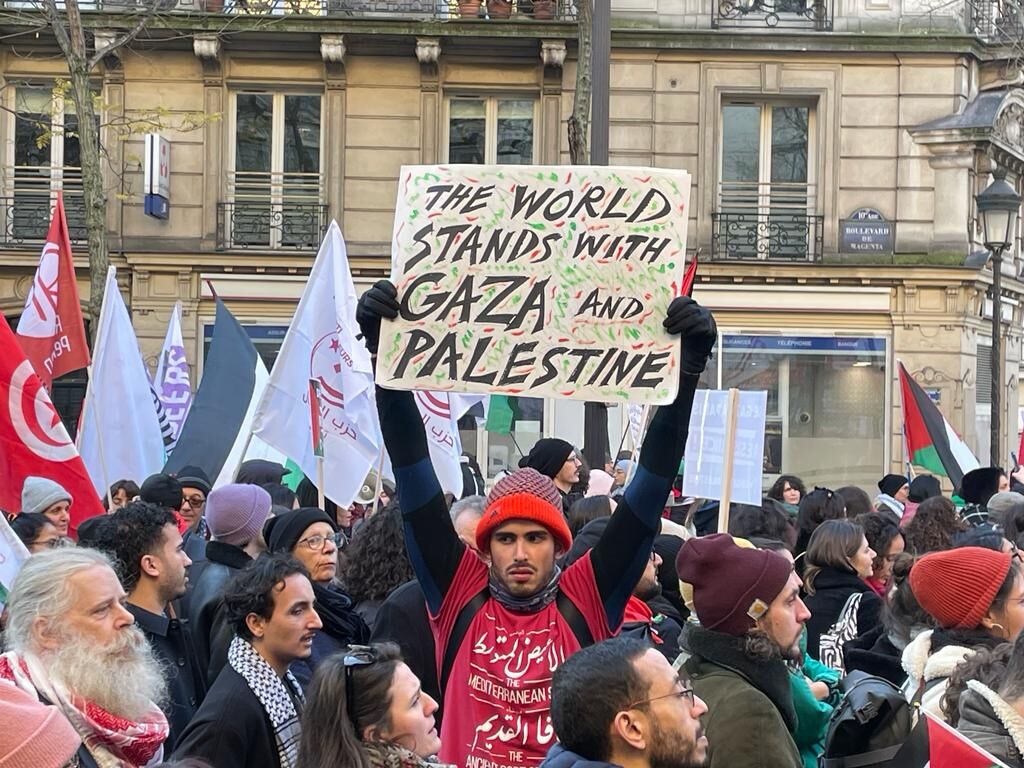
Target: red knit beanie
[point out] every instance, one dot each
(524, 495)
(731, 585)
(957, 586)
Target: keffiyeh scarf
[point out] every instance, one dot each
(386, 754)
(113, 741)
(270, 690)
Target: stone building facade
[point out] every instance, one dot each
(835, 147)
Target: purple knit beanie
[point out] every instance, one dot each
(236, 513)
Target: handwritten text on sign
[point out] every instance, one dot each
(551, 281)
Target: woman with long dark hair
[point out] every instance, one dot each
(365, 709)
(838, 562)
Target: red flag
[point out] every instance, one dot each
(686, 289)
(949, 749)
(51, 330)
(33, 440)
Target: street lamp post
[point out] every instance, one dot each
(998, 207)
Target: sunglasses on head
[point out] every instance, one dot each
(357, 656)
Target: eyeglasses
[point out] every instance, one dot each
(195, 501)
(685, 693)
(1015, 553)
(315, 542)
(357, 656)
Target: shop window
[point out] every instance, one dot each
(766, 207)
(826, 403)
(491, 130)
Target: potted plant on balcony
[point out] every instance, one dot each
(469, 8)
(544, 10)
(499, 9)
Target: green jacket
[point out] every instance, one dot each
(812, 715)
(750, 717)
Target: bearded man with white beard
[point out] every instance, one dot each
(72, 643)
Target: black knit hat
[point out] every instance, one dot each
(163, 490)
(980, 485)
(283, 532)
(891, 484)
(194, 477)
(547, 456)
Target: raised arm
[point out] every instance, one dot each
(430, 538)
(620, 555)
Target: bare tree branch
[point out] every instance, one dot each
(120, 42)
(59, 30)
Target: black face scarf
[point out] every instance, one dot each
(531, 603)
(336, 611)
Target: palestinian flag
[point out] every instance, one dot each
(931, 442)
(934, 744)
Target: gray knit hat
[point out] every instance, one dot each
(39, 493)
(236, 512)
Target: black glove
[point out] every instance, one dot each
(697, 327)
(380, 301)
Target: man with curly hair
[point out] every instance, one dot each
(149, 555)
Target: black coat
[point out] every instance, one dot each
(204, 605)
(402, 619)
(231, 728)
(873, 652)
(171, 641)
(832, 588)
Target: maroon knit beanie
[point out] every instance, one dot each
(524, 495)
(957, 586)
(728, 581)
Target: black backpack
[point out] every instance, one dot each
(869, 726)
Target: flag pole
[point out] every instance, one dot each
(320, 497)
(380, 482)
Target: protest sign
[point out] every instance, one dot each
(708, 457)
(547, 281)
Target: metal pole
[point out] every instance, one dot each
(600, 63)
(995, 451)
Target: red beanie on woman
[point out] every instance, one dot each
(957, 586)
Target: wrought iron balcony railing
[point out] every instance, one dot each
(537, 10)
(262, 225)
(781, 14)
(25, 215)
(766, 222)
(789, 237)
(995, 20)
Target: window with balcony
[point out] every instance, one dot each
(44, 159)
(497, 129)
(766, 206)
(275, 192)
(783, 14)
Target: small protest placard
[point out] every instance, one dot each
(708, 442)
(547, 281)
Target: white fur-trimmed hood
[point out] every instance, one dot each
(921, 665)
(1012, 722)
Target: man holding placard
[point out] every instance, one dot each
(504, 623)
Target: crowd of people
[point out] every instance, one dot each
(572, 615)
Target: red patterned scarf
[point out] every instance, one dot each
(113, 741)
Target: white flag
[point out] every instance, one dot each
(441, 413)
(120, 435)
(321, 344)
(171, 381)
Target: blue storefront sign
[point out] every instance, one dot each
(850, 345)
